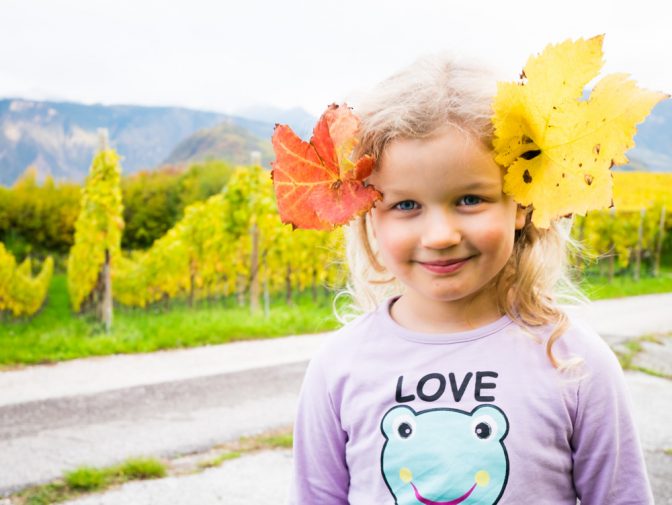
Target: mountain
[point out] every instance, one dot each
(60, 138)
(239, 136)
(227, 141)
(653, 142)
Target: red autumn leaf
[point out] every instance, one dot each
(316, 185)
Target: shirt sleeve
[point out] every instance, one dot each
(320, 470)
(608, 461)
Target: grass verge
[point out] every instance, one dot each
(599, 288)
(627, 351)
(88, 480)
(55, 334)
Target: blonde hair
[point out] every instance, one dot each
(433, 93)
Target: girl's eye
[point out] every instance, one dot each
(406, 205)
(470, 200)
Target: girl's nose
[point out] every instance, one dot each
(441, 230)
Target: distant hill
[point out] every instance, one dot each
(653, 142)
(248, 131)
(60, 138)
(224, 141)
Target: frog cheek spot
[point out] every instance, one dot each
(405, 475)
(482, 478)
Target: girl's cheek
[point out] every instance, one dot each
(497, 239)
(394, 241)
(494, 234)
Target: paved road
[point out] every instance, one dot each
(262, 478)
(40, 440)
(102, 410)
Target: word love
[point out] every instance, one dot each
(433, 386)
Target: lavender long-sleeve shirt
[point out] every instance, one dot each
(391, 416)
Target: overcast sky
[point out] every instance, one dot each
(223, 55)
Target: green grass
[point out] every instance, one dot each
(283, 441)
(46, 495)
(212, 463)
(599, 288)
(627, 351)
(55, 334)
(142, 468)
(85, 480)
(279, 439)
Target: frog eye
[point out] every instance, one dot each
(484, 428)
(403, 427)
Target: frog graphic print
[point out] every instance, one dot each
(445, 456)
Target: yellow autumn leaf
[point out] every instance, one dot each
(557, 147)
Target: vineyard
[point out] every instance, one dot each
(632, 234)
(232, 245)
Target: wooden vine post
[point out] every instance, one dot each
(612, 246)
(105, 307)
(640, 239)
(659, 243)
(254, 270)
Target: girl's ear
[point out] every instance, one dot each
(521, 216)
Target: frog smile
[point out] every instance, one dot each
(426, 501)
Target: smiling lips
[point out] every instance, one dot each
(446, 266)
(426, 501)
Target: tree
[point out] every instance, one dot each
(97, 238)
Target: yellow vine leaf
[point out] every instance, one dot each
(558, 148)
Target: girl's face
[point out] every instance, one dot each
(444, 227)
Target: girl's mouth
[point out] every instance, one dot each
(444, 267)
(426, 501)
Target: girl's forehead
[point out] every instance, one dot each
(449, 155)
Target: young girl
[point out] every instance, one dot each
(464, 382)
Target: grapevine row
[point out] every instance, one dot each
(231, 244)
(635, 228)
(20, 292)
